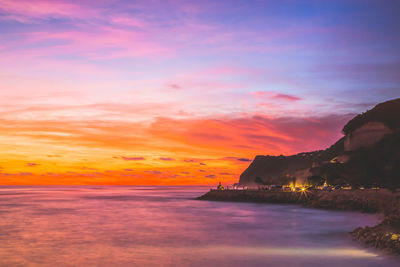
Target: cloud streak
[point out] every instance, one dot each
(133, 158)
(166, 159)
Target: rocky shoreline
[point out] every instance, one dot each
(385, 235)
(379, 238)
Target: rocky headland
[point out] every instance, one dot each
(368, 154)
(367, 157)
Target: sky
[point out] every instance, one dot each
(183, 92)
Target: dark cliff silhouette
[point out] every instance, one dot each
(368, 155)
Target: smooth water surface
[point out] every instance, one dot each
(165, 226)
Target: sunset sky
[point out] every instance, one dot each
(183, 92)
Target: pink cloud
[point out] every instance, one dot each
(25, 10)
(175, 86)
(253, 135)
(104, 42)
(287, 97)
(278, 96)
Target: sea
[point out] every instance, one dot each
(167, 226)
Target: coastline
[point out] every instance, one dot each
(384, 236)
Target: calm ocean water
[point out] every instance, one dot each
(164, 226)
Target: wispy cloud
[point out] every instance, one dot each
(133, 158)
(32, 164)
(166, 159)
(236, 159)
(287, 97)
(276, 96)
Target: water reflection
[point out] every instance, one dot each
(294, 251)
(142, 226)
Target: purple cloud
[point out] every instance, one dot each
(133, 158)
(236, 158)
(16, 174)
(166, 159)
(32, 164)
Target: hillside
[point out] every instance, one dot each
(371, 155)
(379, 164)
(387, 112)
(272, 169)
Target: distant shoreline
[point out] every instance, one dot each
(385, 235)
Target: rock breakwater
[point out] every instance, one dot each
(385, 235)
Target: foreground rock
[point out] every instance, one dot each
(379, 237)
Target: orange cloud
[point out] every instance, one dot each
(223, 146)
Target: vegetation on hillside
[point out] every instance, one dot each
(378, 165)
